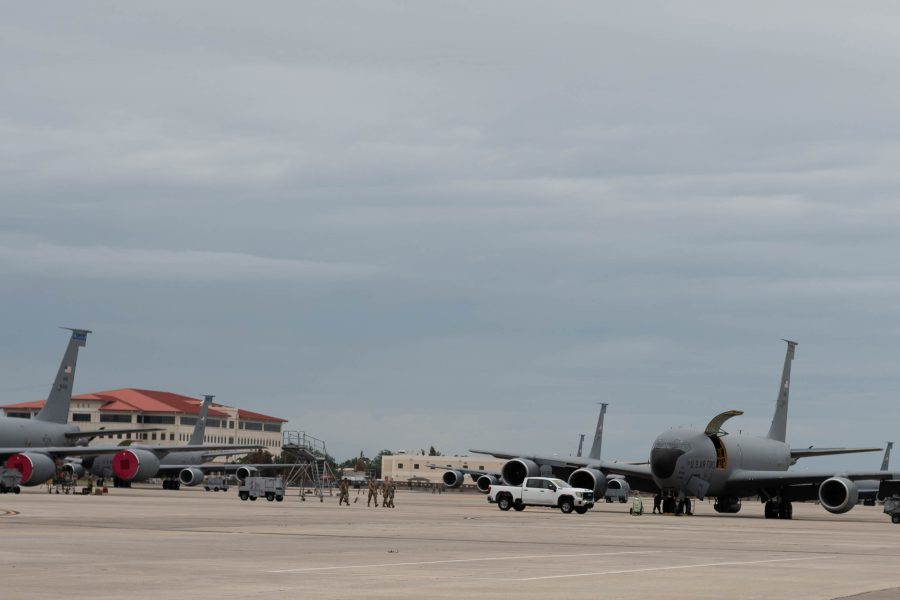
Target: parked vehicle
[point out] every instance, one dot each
(216, 483)
(542, 491)
(272, 488)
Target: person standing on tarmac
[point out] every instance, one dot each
(384, 492)
(373, 492)
(391, 490)
(657, 503)
(345, 492)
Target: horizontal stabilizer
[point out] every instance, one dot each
(811, 452)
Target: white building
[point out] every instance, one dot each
(404, 467)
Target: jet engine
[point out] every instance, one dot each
(35, 468)
(485, 482)
(838, 495)
(453, 479)
(76, 470)
(190, 476)
(135, 464)
(245, 472)
(516, 470)
(618, 484)
(591, 479)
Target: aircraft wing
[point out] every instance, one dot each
(809, 452)
(227, 467)
(474, 472)
(61, 451)
(747, 483)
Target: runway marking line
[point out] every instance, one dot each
(672, 568)
(466, 560)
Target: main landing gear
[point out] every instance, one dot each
(779, 509)
(171, 484)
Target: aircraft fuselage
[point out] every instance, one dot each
(692, 463)
(31, 433)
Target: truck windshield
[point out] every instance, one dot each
(559, 483)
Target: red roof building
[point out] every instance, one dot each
(175, 414)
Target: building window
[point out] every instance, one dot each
(152, 436)
(250, 425)
(117, 418)
(19, 415)
(81, 417)
(399, 465)
(481, 467)
(415, 465)
(171, 437)
(276, 427)
(156, 420)
(188, 420)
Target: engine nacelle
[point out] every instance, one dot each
(190, 476)
(245, 472)
(452, 479)
(838, 495)
(621, 485)
(591, 479)
(101, 466)
(75, 470)
(485, 482)
(135, 464)
(515, 471)
(35, 468)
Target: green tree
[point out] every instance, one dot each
(376, 462)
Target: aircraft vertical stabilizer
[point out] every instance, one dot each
(56, 409)
(200, 427)
(778, 430)
(598, 434)
(885, 464)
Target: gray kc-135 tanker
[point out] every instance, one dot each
(34, 447)
(710, 463)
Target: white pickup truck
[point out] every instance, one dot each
(542, 491)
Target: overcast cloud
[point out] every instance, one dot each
(460, 223)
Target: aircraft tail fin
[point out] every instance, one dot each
(200, 427)
(778, 429)
(885, 464)
(56, 409)
(596, 447)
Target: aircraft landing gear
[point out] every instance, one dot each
(779, 510)
(171, 484)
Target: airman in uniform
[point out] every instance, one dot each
(391, 489)
(385, 492)
(345, 492)
(373, 492)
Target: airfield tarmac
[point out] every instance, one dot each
(150, 543)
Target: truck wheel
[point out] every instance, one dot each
(215, 489)
(519, 507)
(270, 496)
(566, 506)
(253, 498)
(581, 509)
(623, 500)
(895, 519)
(17, 490)
(504, 503)
(279, 498)
(206, 488)
(243, 495)
(609, 500)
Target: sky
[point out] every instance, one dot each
(460, 224)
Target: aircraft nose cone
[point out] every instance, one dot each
(663, 461)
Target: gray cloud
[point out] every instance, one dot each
(404, 224)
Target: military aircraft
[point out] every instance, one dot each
(711, 463)
(454, 476)
(183, 465)
(31, 446)
(34, 447)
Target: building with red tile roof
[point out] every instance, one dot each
(175, 414)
